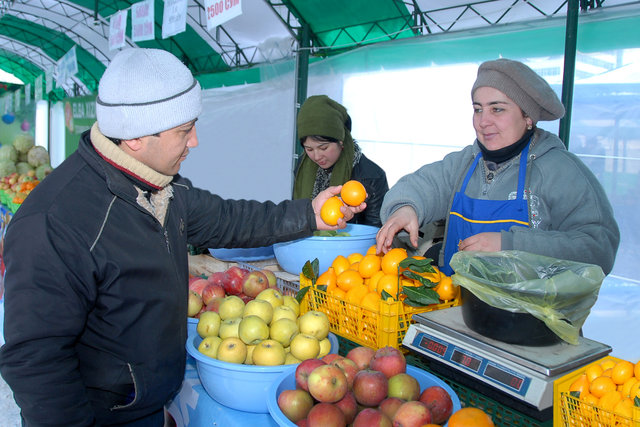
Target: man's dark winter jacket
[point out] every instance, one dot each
(96, 288)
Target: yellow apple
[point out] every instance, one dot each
(268, 353)
(305, 346)
(249, 359)
(232, 350)
(314, 323)
(284, 312)
(325, 347)
(273, 295)
(231, 306)
(229, 328)
(208, 324)
(292, 302)
(194, 304)
(252, 330)
(283, 330)
(209, 346)
(290, 359)
(260, 308)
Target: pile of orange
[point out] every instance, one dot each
(362, 278)
(612, 385)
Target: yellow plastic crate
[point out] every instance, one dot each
(571, 411)
(364, 326)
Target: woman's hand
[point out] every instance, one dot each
(485, 242)
(348, 211)
(404, 218)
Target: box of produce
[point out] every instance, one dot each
(603, 393)
(370, 299)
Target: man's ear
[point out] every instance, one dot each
(133, 144)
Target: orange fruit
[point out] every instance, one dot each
(634, 391)
(624, 408)
(337, 293)
(607, 372)
(328, 278)
(593, 372)
(355, 294)
(609, 400)
(626, 387)
(348, 279)
(636, 370)
(622, 371)
(371, 301)
(373, 281)
(388, 283)
(330, 210)
(446, 289)
(371, 250)
(470, 417)
(581, 385)
(353, 193)
(369, 265)
(391, 259)
(340, 264)
(354, 257)
(355, 266)
(608, 363)
(599, 386)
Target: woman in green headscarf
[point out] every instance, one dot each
(332, 157)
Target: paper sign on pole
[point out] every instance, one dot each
(220, 11)
(37, 91)
(174, 19)
(27, 94)
(67, 66)
(142, 21)
(117, 27)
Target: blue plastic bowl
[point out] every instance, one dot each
(287, 381)
(291, 256)
(241, 387)
(243, 254)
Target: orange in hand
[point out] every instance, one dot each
(353, 193)
(330, 211)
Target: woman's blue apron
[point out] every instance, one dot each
(472, 216)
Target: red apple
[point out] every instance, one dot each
(361, 355)
(271, 277)
(193, 279)
(370, 387)
(349, 368)
(331, 357)
(254, 283)
(245, 298)
(348, 406)
(302, 423)
(370, 417)
(295, 404)
(198, 285)
(404, 386)
(212, 291)
(327, 383)
(217, 278)
(233, 279)
(304, 369)
(214, 304)
(389, 406)
(439, 402)
(326, 415)
(412, 414)
(389, 360)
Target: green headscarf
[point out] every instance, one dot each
(322, 116)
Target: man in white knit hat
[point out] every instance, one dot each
(96, 280)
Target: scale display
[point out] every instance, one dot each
(492, 371)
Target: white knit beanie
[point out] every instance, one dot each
(146, 91)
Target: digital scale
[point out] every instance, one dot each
(525, 373)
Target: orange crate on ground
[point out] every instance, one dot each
(571, 411)
(364, 326)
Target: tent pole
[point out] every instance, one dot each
(569, 69)
(302, 78)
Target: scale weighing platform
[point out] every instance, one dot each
(525, 373)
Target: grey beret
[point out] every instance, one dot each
(520, 83)
(146, 91)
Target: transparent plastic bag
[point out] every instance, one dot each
(558, 292)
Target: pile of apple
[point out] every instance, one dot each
(267, 330)
(366, 388)
(205, 294)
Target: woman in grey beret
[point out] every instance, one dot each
(515, 188)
